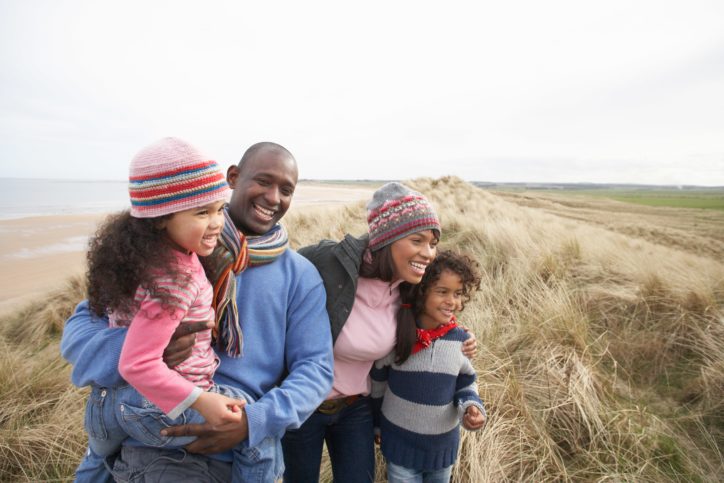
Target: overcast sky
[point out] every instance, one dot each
(549, 91)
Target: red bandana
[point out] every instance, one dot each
(426, 336)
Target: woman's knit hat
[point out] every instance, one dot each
(169, 176)
(397, 211)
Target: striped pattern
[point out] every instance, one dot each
(400, 217)
(230, 257)
(194, 300)
(419, 404)
(171, 176)
(266, 248)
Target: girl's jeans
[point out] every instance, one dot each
(402, 474)
(115, 414)
(349, 435)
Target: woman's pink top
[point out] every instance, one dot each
(150, 330)
(368, 335)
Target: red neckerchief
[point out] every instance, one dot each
(426, 336)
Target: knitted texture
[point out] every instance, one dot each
(397, 211)
(169, 176)
(418, 404)
(229, 258)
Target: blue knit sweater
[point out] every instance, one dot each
(420, 403)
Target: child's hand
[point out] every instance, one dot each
(473, 419)
(219, 410)
(470, 346)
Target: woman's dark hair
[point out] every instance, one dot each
(127, 253)
(381, 266)
(413, 297)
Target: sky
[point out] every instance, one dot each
(516, 91)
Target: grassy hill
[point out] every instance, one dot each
(601, 332)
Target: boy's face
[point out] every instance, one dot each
(442, 299)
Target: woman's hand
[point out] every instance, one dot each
(182, 342)
(470, 346)
(473, 419)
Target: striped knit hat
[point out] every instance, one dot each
(395, 212)
(169, 176)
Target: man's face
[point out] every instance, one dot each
(262, 191)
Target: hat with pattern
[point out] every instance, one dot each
(397, 211)
(169, 176)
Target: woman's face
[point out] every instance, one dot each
(411, 255)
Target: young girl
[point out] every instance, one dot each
(421, 392)
(145, 274)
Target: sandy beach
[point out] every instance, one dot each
(40, 253)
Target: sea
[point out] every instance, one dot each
(20, 197)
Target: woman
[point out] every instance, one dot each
(364, 279)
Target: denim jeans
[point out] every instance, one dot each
(402, 474)
(349, 435)
(258, 464)
(114, 414)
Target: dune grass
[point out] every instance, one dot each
(601, 350)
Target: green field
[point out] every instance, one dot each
(701, 199)
(696, 198)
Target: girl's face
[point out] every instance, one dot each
(411, 255)
(196, 230)
(442, 299)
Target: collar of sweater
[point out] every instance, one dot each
(374, 292)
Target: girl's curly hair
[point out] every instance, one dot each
(414, 295)
(127, 253)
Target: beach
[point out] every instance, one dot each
(39, 253)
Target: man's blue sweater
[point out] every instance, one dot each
(287, 360)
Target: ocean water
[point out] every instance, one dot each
(21, 198)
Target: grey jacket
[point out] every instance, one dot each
(338, 263)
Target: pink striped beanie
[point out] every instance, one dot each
(397, 211)
(169, 176)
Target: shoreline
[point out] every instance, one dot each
(40, 253)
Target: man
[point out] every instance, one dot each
(287, 356)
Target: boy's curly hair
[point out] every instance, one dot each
(461, 265)
(127, 253)
(414, 295)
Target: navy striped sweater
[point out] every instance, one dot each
(419, 404)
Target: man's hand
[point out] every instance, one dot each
(182, 342)
(473, 419)
(212, 440)
(470, 346)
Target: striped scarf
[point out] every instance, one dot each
(232, 255)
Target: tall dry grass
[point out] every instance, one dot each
(601, 351)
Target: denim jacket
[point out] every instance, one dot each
(338, 263)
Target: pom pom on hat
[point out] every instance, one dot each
(397, 211)
(169, 176)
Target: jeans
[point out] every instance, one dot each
(114, 414)
(402, 474)
(349, 435)
(259, 464)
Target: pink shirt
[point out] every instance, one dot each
(368, 335)
(150, 330)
